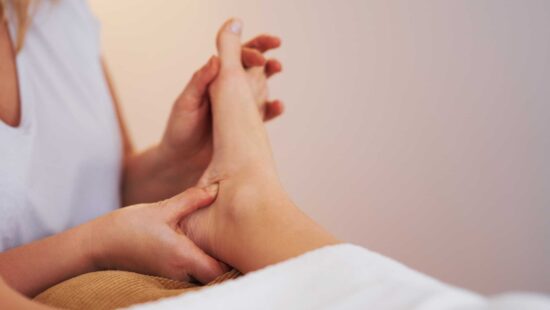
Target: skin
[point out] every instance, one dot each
(11, 299)
(185, 150)
(9, 94)
(161, 172)
(142, 238)
(251, 223)
(157, 246)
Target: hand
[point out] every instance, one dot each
(188, 140)
(147, 239)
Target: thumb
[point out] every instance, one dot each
(196, 89)
(229, 44)
(203, 267)
(190, 200)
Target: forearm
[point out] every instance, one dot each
(10, 299)
(150, 177)
(36, 266)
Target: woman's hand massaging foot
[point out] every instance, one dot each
(186, 147)
(147, 239)
(188, 137)
(185, 150)
(142, 238)
(252, 223)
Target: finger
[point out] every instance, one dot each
(264, 43)
(273, 109)
(196, 89)
(202, 267)
(252, 58)
(192, 199)
(273, 66)
(229, 44)
(225, 267)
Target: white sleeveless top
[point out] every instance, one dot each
(61, 166)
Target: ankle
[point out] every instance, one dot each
(248, 195)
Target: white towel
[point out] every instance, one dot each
(342, 277)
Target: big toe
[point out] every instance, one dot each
(229, 43)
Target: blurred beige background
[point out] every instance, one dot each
(419, 129)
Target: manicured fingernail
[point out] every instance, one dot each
(236, 26)
(212, 189)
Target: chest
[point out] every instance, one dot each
(60, 150)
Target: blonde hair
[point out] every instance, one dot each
(21, 11)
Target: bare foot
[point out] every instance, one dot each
(252, 223)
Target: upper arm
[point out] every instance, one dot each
(127, 142)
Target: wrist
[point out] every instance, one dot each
(156, 174)
(94, 245)
(173, 168)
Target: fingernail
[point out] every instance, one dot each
(236, 26)
(209, 63)
(212, 189)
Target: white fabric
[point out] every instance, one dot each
(342, 277)
(60, 167)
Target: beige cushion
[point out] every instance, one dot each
(115, 289)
